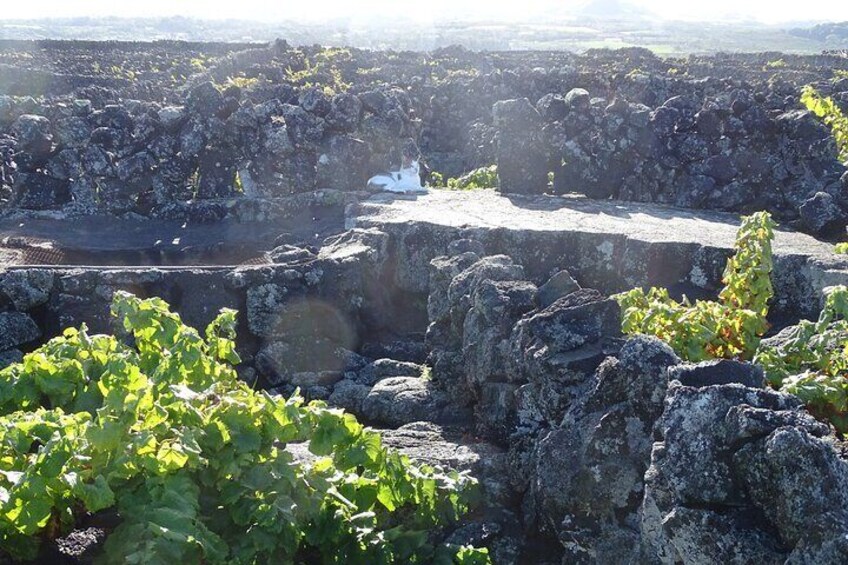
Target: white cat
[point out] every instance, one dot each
(404, 181)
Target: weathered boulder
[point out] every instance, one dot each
(311, 379)
(425, 442)
(577, 99)
(521, 155)
(822, 215)
(559, 285)
(352, 246)
(716, 446)
(556, 348)
(171, 117)
(395, 401)
(349, 395)
(204, 100)
(304, 127)
(278, 141)
(384, 368)
(27, 288)
(265, 309)
(463, 285)
(718, 372)
(701, 535)
(34, 136)
(552, 107)
(345, 112)
(324, 297)
(352, 270)
(587, 480)
(496, 306)
(39, 191)
(71, 132)
(315, 101)
(17, 328)
(801, 484)
(10, 356)
(664, 120)
(454, 281)
(97, 161)
(442, 272)
(375, 101)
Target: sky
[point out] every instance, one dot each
(766, 11)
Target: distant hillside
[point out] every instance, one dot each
(592, 24)
(829, 32)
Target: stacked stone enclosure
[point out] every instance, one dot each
(473, 343)
(145, 128)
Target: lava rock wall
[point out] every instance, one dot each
(735, 151)
(145, 158)
(620, 452)
(723, 132)
(590, 448)
(311, 307)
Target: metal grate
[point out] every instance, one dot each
(42, 256)
(21, 250)
(258, 260)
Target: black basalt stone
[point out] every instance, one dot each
(33, 135)
(822, 215)
(17, 328)
(38, 191)
(522, 158)
(204, 100)
(719, 372)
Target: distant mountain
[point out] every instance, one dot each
(613, 10)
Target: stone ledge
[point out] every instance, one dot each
(607, 245)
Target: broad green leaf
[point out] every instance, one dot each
(97, 495)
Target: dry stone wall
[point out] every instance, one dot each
(720, 132)
(620, 452)
(736, 151)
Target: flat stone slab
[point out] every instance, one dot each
(653, 223)
(610, 245)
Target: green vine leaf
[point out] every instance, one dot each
(157, 426)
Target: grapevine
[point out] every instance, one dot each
(730, 327)
(825, 108)
(484, 177)
(157, 427)
(812, 361)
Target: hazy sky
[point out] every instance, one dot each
(769, 11)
